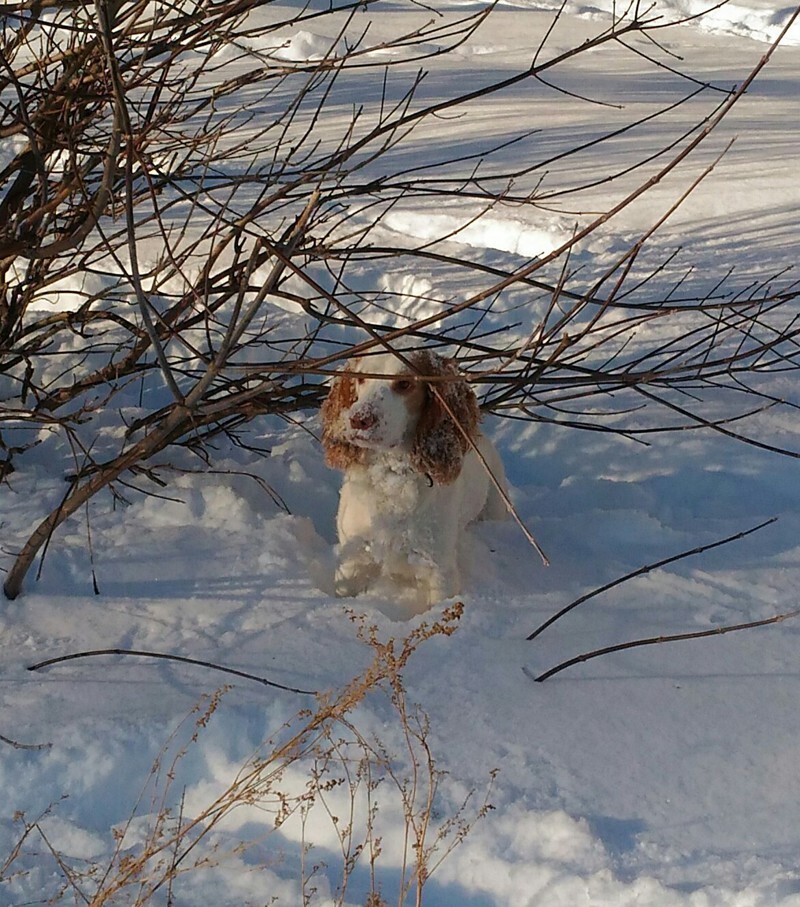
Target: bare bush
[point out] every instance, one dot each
(186, 213)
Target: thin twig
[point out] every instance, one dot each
(122, 123)
(167, 657)
(24, 746)
(657, 640)
(641, 571)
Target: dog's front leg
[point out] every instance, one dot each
(435, 574)
(357, 566)
(356, 569)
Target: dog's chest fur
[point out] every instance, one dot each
(395, 489)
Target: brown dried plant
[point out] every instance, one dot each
(319, 765)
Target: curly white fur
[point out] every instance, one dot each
(412, 477)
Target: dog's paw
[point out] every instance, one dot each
(353, 578)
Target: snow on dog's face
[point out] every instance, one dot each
(386, 409)
(385, 403)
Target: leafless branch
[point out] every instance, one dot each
(163, 656)
(657, 640)
(642, 571)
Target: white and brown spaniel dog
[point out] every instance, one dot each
(405, 433)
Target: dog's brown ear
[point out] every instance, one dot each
(339, 453)
(450, 414)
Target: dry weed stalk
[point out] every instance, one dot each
(324, 766)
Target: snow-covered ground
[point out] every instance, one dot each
(660, 776)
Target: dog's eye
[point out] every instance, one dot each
(402, 386)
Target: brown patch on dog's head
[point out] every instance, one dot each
(449, 418)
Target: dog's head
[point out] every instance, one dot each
(416, 406)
